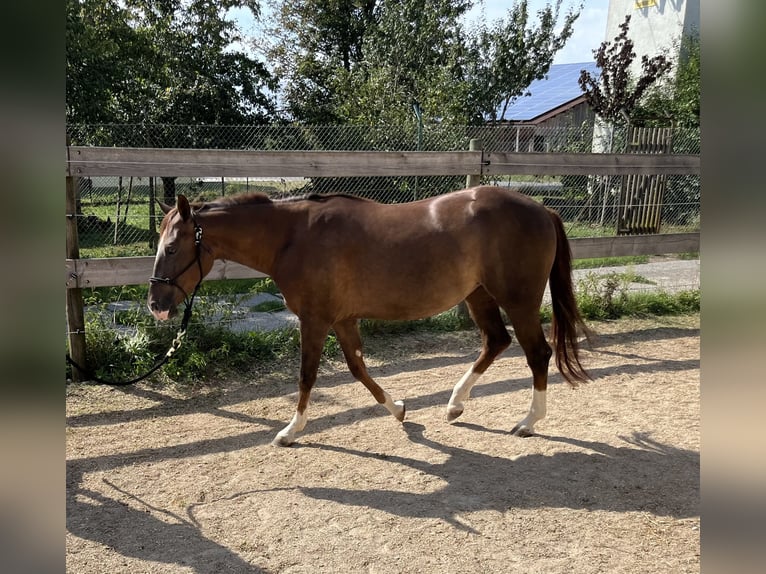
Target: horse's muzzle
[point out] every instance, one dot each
(162, 312)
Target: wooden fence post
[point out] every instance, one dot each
(75, 315)
(474, 179)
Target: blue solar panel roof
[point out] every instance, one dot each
(559, 87)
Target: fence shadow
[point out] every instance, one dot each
(112, 523)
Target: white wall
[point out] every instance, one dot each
(656, 26)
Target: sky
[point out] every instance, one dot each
(589, 29)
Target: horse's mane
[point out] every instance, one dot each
(251, 198)
(257, 198)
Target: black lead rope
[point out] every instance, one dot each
(176, 344)
(160, 362)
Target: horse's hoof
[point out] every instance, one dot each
(281, 440)
(453, 413)
(402, 412)
(522, 431)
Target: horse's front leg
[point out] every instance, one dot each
(312, 341)
(348, 336)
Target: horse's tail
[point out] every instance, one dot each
(567, 322)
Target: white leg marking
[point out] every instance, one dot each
(358, 353)
(396, 408)
(286, 436)
(460, 393)
(537, 412)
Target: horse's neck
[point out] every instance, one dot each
(250, 235)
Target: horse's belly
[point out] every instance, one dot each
(417, 302)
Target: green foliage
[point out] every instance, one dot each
(315, 45)
(112, 356)
(411, 58)
(268, 307)
(678, 100)
(447, 321)
(103, 57)
(161, 61)
(614, 94)
(597, 262)
(506, 56)
(210, 349)
(206, 350)
(602, 297)
(377, 61)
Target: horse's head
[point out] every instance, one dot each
(182, 260)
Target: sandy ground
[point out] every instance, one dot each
(183, 479)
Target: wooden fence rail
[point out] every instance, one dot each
(115, 271)
(157, 162)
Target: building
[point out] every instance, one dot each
(656, 26)
(554, 102)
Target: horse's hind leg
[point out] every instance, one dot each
(313, 336)
(529, 333)
(495, 339)
(351, 343)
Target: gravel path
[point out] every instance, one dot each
(669, 275)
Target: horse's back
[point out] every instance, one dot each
(457, 229)
(455, 211)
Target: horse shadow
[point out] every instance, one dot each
(644, 475)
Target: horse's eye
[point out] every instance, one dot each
(170, 249)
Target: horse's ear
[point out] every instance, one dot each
(184, 209)
(164, 207)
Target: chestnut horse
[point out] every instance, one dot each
(337, 258)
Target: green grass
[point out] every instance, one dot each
(213, 288)
(609, 261)
(608, 296)
(268, 307)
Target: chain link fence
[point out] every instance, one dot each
(114, 215)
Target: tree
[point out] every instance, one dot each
(315, 45)
(162, 61)
(104, 57)
(411, 64)
(203, 80)
(507, 56)
(374, 61)
(677, 101)
(613, 95)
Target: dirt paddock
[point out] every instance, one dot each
(179, 479)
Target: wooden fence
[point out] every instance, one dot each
(140, 162)
(641, 196)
